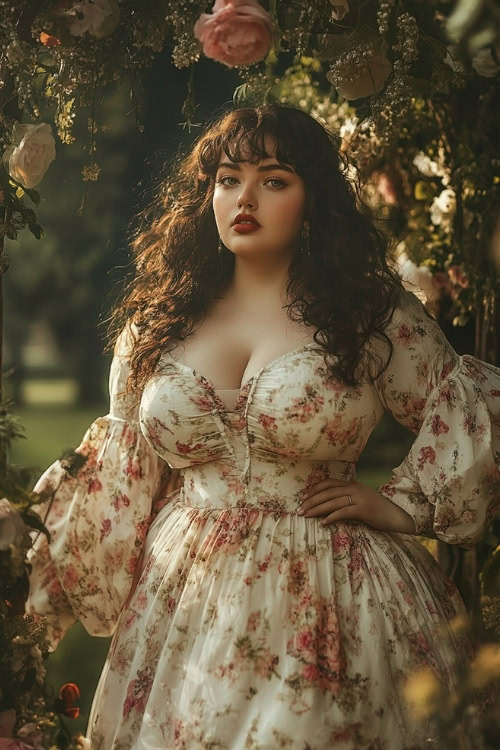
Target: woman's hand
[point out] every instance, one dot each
(330, 499)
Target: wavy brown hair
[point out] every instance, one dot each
(344, 287)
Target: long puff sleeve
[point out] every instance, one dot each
(97, 520)
(449, 482)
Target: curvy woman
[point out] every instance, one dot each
(258, 595)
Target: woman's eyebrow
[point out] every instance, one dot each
(263, 168)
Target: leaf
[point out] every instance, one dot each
(36, 230)
(33, 194)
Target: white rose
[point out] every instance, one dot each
(97, 17)
(13, 530)
(430, 168)
(340, 9)
(348, 127)
(425, 165)
(30, 154)
(443, 209)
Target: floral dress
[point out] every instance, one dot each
(249, 627)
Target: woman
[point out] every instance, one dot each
(276, 602)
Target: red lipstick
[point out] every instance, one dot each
(245, 223)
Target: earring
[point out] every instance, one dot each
(220, 247)
(305, 246)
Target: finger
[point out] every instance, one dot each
(326, 507)
(330, 494)
(348, 513)
(324, 484)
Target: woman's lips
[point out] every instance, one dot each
(245, 228)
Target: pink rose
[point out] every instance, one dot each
(238, 32)
(427, 454)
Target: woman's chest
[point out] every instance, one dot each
(291, 407)
(229, 350)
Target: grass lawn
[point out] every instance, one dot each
(50, 429)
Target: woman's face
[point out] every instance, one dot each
(267, 193)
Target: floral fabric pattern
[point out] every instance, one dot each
(251, 627)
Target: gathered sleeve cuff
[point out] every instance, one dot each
(97, 520)
(449, 482)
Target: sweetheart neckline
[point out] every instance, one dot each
(255, 375)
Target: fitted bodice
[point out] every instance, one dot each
(291, 426)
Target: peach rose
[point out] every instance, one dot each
(238, 32)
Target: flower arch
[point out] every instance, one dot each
(412, 88)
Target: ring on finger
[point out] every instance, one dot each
(350, 499)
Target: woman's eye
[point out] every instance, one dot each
(221, 180)
(277, 180)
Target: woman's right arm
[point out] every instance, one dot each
(98, 519)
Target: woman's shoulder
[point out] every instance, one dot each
(126, 339)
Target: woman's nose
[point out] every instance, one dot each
(247, 197)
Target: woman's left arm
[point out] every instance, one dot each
(448, 486)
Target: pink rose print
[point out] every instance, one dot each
(427, 455)
(310, 672)
(438, 426)
(122, 501)
(253, 621)
(303, 409)
(105, 528)
(94, 485)
(340, 540)
(404, 334)
(141, 529)
(134, 469)
(70, 578)
(447, 368)
(305, 642)
(138, 692)
(265, 664)
(268, 423)
(319, 648)
(185, 448)
(238, 32)
(142, 600)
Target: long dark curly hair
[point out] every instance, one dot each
(345, 287)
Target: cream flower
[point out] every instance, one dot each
(30, 154)
(443, 209)
(431, 168)
(97, 17)
(340, 9)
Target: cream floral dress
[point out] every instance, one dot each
(252, 628)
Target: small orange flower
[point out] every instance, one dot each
(48, 40)
(68, 694)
